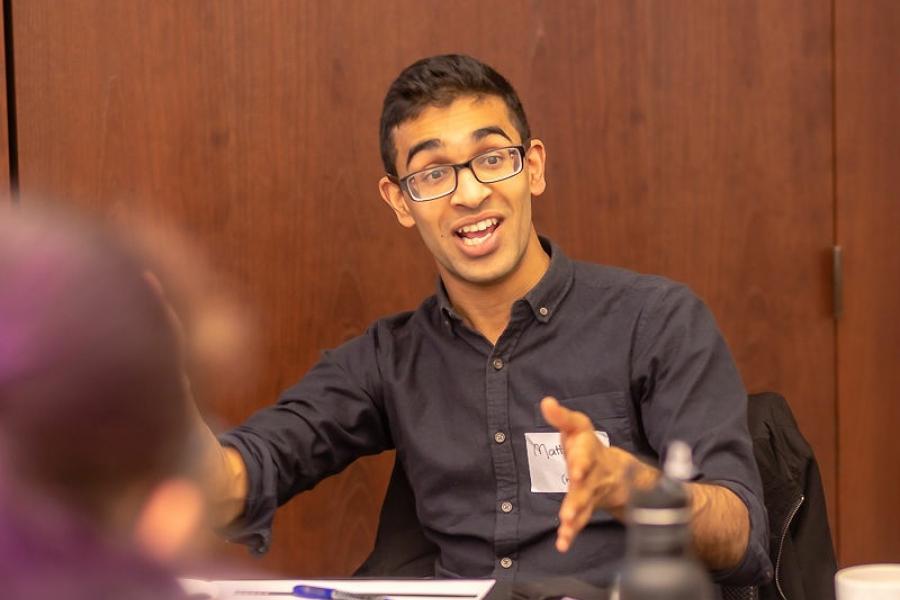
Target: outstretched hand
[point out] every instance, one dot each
(221, 470)
(596, 472)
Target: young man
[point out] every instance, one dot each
(464, 386)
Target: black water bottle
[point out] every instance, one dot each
(658, 562)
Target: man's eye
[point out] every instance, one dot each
(493, 160)
(433, 177)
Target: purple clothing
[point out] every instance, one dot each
(48, 554)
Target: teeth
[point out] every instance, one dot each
(475, 241)
(479, 226)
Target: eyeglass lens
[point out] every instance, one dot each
(489, 167)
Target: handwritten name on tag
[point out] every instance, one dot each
(547, 461)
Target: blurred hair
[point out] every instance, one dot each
(438, 81)
(91, 394)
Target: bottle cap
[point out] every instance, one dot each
(679, 464)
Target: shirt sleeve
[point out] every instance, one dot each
(689, 389)
(334, 415)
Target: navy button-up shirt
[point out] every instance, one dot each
(640, 355)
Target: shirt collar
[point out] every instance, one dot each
(544, 298)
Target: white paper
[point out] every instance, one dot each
(475, 589)
(547, 461)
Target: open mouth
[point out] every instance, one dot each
(478, 233)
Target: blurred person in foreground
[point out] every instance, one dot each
(96, 500)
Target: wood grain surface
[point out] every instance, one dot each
(5, 196)
(707, 138)
(692, 143)
(867, 55)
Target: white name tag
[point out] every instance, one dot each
(547, 461)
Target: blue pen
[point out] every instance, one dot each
(323, 593)
(311, 591)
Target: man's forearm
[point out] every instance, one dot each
(224, 478)
(602, 478)
(720, 522)
(233, 495)
(721, 525)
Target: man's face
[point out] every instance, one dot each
(479, 233)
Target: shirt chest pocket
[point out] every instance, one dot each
(608, 411)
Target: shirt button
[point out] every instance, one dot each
(506, 506)
(497, 363)
(544, 311)
(499, 437)
(506, 562)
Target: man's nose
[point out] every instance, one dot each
(469, 191)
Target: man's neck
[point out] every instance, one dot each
(486, 308)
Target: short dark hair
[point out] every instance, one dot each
(438, 81)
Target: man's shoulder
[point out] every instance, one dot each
(387, 336)
(407, 322)
(618, 280)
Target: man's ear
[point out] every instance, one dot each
(393, 195)
(170, 520)
(535, 161)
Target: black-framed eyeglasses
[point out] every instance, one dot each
(439, 181)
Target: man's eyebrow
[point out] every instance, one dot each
(480, 134)
(477, 135)
(424, 145)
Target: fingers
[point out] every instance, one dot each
(582, 453)
(173, 318)
(178, 330)
(565, 420)
(582, 456)
(575, 512)
(571, 527)
(154, 283)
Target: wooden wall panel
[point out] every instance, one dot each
(5, 190)
(707, 135)
(247, 129)
(867, 52)
(693, 143)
